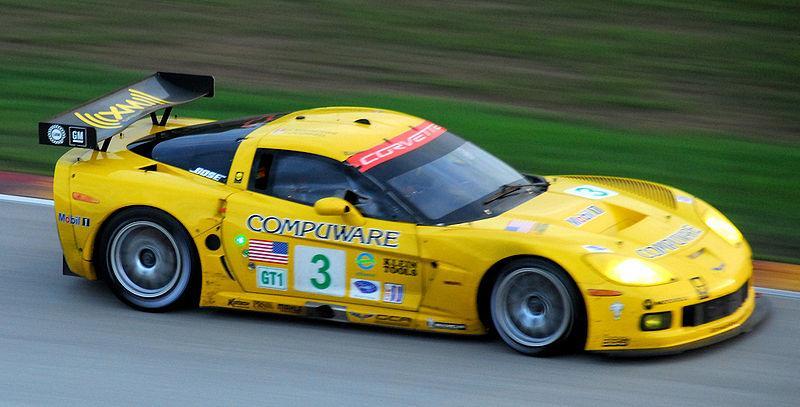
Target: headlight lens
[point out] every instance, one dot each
(629, 271)
(722, 226)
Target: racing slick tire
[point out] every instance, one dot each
(148, 260)
(537, 309)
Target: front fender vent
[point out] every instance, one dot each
(646, 190)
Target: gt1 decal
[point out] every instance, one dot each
(320, 271)
(271, 277)
(590, 192)
(596, 249)
(365, 289)
(323, 231)
(445, 325)
(73, 220)
(393, 293)
(56, 134)
(585, 216)
(365, 261)
(208, 174)
(409, 141)
(398, 266)
(685, 235)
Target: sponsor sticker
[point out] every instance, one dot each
(77, 136)
(74, 220)
(399, 266)
(592, 248)
(208, 174)
(318, 270)
(237, 178)
(118, 113)
(590, 192)
(365, 289)
(700, 286)
(361, 316)
(268, 251)
(323, 231)
(56, 134)
(445, 325)
(237, 303)
(584, 216)
(684, 199)
(263, 305)
(683, 236)
(271, 277)
(393, 293)
(521, 226)
(291, 309)
(240, 240)
(616, 309)
(409, 141)
(365, 261)
(610, 341)
(393, 320)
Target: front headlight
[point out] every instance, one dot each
(629, 270)
(718, 223)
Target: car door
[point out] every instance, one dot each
(279, 244)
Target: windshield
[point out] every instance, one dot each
(449, 180)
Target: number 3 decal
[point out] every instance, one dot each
(319, 270)
(590, 192)
(323, 269)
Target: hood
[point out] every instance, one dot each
(600, 214)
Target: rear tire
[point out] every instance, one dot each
(148, 260)
(537, 309)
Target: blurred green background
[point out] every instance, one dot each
(704, 96)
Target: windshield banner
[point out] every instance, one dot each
(409, 141)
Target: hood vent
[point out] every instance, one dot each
(652, 192)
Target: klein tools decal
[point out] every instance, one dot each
(323, 231)
(409, 141)
(685, 235)
(584, 216)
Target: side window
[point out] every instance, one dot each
(307, 178)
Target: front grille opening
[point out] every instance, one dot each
(710, 311)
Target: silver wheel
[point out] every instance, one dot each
(145, 259)
(532, 307)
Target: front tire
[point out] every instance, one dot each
(536, 308)
(147, 259)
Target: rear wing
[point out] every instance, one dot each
(97, 121)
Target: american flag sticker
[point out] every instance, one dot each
(393, 293)
(268, 251)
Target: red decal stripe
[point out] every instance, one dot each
(409, 141)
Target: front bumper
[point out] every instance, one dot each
(761, 311)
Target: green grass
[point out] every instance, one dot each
(754, 183)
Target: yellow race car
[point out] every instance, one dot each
(376, 217)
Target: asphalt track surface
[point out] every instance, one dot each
(68, 341)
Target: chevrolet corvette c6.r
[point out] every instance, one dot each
(371, 216)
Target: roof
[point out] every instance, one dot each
(335, 132)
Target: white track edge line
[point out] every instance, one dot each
(48, 202)
(779, 293)
(25, 199)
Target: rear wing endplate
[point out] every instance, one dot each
(95, 122)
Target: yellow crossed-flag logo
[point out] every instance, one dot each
(112, 118)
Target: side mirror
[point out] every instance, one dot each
(339, 207)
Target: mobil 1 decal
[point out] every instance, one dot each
(320, 271)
